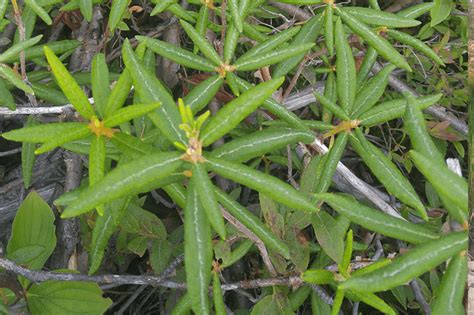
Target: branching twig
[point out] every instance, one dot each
(41, 276)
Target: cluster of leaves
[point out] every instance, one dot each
(156, 144)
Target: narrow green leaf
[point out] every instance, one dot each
(389, 110)
(230, 79)
(219, 305)
(197, 251)
(381, 18)
(166, 117)
(271, 43)
(253, 224)
(59, 47)
(129, 178)
(329, 29)
(264, 183)
(387, 173)
(177, 54)
(207, 198)
(307, 34)
(234, 112)
(330, 92)
(336, 110)
(328, 236)
(33, 226)
(119, 94)
(6, 98)
(383, 47)
(100, 83)
(330, 163)
(42, 133)
(258, 143)
(235, 13)
(50, 144)
(238, 253)
(201, 23)
(415, 126)
(49, 94)
(67, 297)
(183, 306)
(272, 57)
(3, 8)
(346, 257)
(86, 9)
(96, 160)
(452, 188)
(410, 265)
(203, 44)
(69, 86)
(117, 10)
(203, 93)
(42, 13)
(17, 48)
(440, 11)
(449, 296)
(345, 69)
(181, 13)
(160, 255)
(128, 113)
(417, 10)
(232, 36)
(372, 91)
(105, 226)
(14, 78)
(377, 221)
(370, 58)
(416, 44)
(372, 300)
(28, 155)
(274, 107)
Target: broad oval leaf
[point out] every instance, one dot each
(129, 178)
(66, 297)
(33, 226)
(328, 235)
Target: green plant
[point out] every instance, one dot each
(177, 148)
